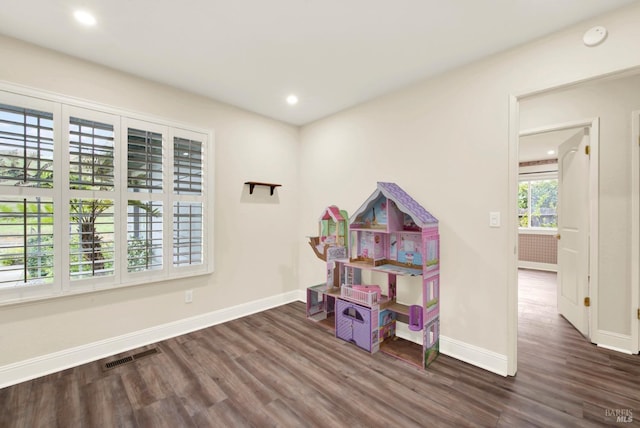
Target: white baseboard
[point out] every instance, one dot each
(32, 368)
(537, 266)
(613, 341)
(479, 357)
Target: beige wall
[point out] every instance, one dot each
(446, 142)
(255, 237)
(612, 101)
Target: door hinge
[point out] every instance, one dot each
(639, 313)
(587, 302)
(558, 236)
(587, 150)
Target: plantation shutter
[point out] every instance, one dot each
(144, 235)
(144, 161)
(26, 147)
(91, 154)
(26, 241)
(187, 233)
(187, 166)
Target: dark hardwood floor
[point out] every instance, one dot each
(276, 369)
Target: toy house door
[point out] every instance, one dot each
(353, 324)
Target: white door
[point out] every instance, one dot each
(573, 230)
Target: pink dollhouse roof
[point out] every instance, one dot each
(332, 212)
(406, 203)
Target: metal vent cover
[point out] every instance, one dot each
(131, 358)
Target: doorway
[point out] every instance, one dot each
(553, 212)
(614, 302)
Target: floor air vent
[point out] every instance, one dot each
(130, 358)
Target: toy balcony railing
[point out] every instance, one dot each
(368, 298)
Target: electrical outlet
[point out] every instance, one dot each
(188, 296)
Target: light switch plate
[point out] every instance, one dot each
(494, 219)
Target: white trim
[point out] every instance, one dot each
(479, 357)
(536, 176)
(302, 296)
(613, 348)
(579, 123)
(635, 230)
(522, 264)
(32, 368)
(512, 237)
(614, 341)
(594, 224)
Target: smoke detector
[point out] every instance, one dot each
(594, 36)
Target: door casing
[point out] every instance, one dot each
(635, 230)
(512, 289)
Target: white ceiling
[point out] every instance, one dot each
(537, 146)
(332, 53)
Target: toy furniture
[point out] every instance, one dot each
(390, 234)
(416, 318)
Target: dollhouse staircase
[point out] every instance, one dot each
(314, 241)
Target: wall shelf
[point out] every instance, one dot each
(253, 184)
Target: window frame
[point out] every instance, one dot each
(62, 109)
(536, 176)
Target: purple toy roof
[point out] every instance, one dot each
(406, 203)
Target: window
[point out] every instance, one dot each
(188, 210)
(91, 154)
(144, 235)
(145, 198)
(93, 199)
(537, 203)
(26, 233)
(187, 233)
(144, 161)
(187, 171)
(26, 147)
(92, 238)
(26, 195)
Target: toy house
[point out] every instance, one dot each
(393, 235)
(329, 246)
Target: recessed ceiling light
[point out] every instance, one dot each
(84, 17)
(292, 100)
(551, 152)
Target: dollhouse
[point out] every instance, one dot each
(329, 246)
(392, 236)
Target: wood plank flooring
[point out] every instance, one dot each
(276, 369)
